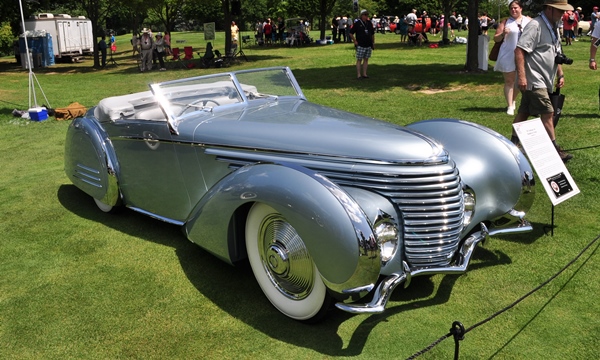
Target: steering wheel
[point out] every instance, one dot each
(193, 104)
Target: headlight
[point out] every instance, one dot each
(469, 204)
(387, 236)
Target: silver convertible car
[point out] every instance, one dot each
(325, 205)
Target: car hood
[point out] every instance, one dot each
(298, 126)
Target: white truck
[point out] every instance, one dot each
(71, 36)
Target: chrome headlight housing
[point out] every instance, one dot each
(469, 204)
(387, 234)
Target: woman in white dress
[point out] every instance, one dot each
(510, 31)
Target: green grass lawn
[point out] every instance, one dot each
(78, 283)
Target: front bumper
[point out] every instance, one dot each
(386, 287)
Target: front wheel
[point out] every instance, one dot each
(283, 266)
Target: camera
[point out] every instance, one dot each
(563, 59)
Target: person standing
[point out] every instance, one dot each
(159, 49)
(538, 68)
(134, 43)
(167, 40)
(341, 29)
(424, 18)
(102, 47)
(259, 33)
(348, 27)
(594, 48)
(593, 19)
(146, 47)
(484, 23)
(363, 37)
(280, 29)
(411, 18)
(509, 32)
(268, 31)
(234, 38)
(334, 28)
(570, 23)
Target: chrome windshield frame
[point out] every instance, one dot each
(173, 120)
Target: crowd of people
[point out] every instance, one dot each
(269, 32)
(151, 48)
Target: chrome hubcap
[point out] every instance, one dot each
(285, 258)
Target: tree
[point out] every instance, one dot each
(472, 63)
(96, 11)
(166, 11)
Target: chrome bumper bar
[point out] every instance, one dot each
(386, 287)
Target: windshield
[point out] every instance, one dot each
(179, 98)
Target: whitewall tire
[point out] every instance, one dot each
(283, 266)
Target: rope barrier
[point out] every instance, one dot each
(458, 330)
(584, 148)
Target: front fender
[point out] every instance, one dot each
(332, 225)
(490, 164)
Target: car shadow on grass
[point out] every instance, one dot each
(234, 289)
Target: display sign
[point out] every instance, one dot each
(209, 31)
(551, 170)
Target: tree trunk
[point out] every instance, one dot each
(472, 63)
(227, 26)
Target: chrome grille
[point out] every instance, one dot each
(428, 195)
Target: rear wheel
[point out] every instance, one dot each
(107, 208)
(283, 267)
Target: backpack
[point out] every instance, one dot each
(571, 18)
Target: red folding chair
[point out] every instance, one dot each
(177, 56)
(189, 53)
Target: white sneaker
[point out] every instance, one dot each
(510, 111)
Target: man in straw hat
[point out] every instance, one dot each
(146, 47)
(538, 66)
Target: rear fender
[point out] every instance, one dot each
(335, 230)
(90, 160)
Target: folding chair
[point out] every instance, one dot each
(209, 57)
(188, 55)
(177, 56)
(188, 52)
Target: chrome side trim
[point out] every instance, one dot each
(386, 287)
(158, 217)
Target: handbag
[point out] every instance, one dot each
(558, 100)
(496, 48)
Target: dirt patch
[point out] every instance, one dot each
(432, 89)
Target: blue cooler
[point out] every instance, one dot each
(38, 114)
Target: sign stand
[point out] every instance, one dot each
(551, 227)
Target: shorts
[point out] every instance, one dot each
(363, 52)
(536, 102)
(569, 33)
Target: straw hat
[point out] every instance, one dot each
(559, 4)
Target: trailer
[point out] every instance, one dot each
(71, 37)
